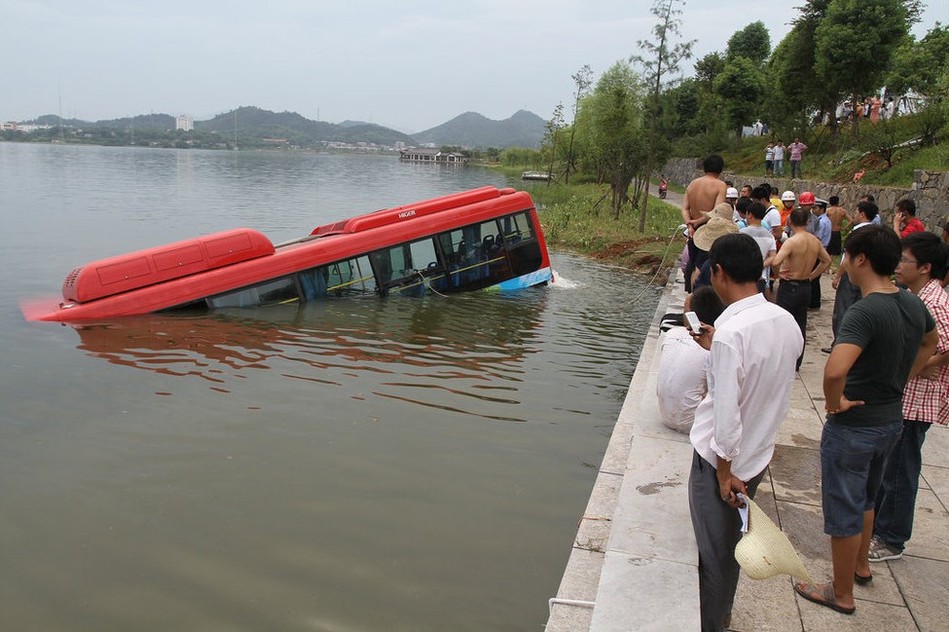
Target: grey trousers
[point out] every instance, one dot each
(717, 532)
(847, 294)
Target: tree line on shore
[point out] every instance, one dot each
(640, 112)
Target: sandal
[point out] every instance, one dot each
(862, 580)
(822, 596)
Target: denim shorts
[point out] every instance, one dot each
(852, 461)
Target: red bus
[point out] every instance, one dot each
(482, 239)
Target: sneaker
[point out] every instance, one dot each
(880, 551)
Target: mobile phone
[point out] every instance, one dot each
(693, 321)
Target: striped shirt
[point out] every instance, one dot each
(924, 399)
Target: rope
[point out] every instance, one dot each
(659, 268)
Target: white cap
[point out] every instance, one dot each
(732, 192)
(787, 196)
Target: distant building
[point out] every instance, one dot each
(431, 155)
(184, 122)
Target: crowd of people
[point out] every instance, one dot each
(753, 264)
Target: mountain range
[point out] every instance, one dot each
(470, 130)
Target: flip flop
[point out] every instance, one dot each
(822, 597)
(862, 580)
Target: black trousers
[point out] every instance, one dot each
(717, 531)
(795, 296)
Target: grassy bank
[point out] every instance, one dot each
(578, 218)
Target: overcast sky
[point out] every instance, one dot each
(410, 65)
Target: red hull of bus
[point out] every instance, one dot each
(190, 271)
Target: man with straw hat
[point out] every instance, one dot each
(735, 425)
(719, 222)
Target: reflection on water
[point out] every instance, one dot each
(463, 354)
(336, 466)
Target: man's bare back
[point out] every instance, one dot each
(701, 196)
(837, 214)
(798, 256)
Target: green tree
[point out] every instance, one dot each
(707, 68)
(660, 63)
(917, 65)
(615, 110)
(582, 79)
(741, 86)
(790, 77)
(854, 45)
(752, 42)
(551, 134)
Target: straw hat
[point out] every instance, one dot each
(765, 551)
(719, 223)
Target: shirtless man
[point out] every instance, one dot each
(801, 259)
(838, 217)
(701, 196)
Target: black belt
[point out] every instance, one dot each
(796, 281)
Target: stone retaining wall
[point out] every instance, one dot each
(930, 189)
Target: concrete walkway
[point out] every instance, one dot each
(633, 563)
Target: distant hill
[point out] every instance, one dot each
(523, 129)
(252, 125)
(158, 122)
(258, 123)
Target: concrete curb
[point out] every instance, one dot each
(633, 565)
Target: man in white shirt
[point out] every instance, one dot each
(735, 425)
(681, 383)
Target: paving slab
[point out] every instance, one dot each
(634, 558)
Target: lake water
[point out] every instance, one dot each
(396, 464)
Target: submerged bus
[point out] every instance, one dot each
(482, 239)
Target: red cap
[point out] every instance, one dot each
(806, 198)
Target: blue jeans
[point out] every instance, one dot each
(852, 460)
(896, 500)
(779, 167)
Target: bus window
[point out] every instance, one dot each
(273, 292)
(410, 267)
(520, 241)
(352, 276)
(342, 278)
(516, 228)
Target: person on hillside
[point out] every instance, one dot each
(681, 382)
(797, 149)
(769, 160)
(838, 217)
(801, 259)
(848, 293)
(779, 151)
(765, 240)
(884, 340)
(749, 390)
(701, 196)
(905, 221)
(925, 400)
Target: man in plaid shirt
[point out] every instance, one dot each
(921, 269)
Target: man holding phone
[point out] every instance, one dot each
(735, 425)
(905, 221)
